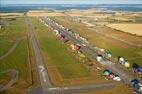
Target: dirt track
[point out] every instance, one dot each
(10, 50)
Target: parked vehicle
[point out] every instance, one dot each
(138, 70)
(99, 58)
(110, 75)
(137, 86)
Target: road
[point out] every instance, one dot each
(92, 53)
(42, 71)
(10, 50)
(82, 88)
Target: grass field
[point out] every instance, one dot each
(58, 54)
(6, 45)
(6, 36)
(18, 59)
(132, 54)
(63, 66)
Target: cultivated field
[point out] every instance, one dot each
(44, 13)
(130, 28)
(119, 34)
(10, 15)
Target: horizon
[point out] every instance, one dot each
(8, 5)
(29, 2)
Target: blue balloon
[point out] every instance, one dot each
(139, 69)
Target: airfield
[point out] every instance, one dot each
(32, 56)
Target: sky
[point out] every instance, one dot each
(3, 2)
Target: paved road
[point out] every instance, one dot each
(10, 50)
(80, 89)
(92, 53)
(13, 80)
(43, 73)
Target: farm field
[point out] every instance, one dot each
(130, 28)
(119, 34)
(132, 54)
(18, 59)
(37, 13)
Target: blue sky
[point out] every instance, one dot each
(71, 1)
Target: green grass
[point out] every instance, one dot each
(5, 46)
(66, 63)
(18, 58)
(9, 34)
(132, 54)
